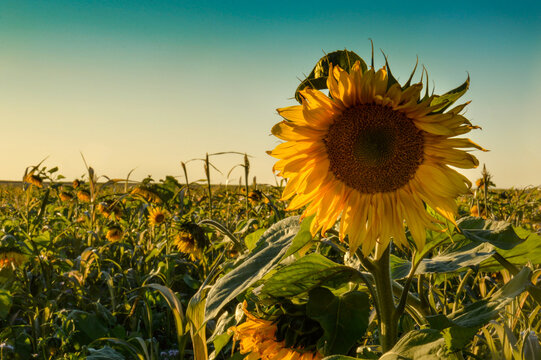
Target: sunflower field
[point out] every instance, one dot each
(371, 246)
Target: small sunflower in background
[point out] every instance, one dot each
(83, 196)
(65, 196)
(10, 258)
(33, 180)
(373, 153)
(76, 183)
(156, 216)
(109, 209)
(114, 233)
(265, 340)
(190, 240)
(255, 197)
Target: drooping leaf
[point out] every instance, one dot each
(426, 344)
(344, 318)
(269, 250)
(469, 255)
(309, 272)
(317, 79)
(195, 313)
(498, 233)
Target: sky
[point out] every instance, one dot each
(145, 85)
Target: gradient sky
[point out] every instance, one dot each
(147, 84)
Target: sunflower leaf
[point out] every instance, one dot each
(309, 272)
(469, 255)
(425, 344)
(527, 251)
(267, 254)
(318, 77)
(344, 318)
(497, 233)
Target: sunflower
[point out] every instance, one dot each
(65, 196)
(156, 216)
(114, 234)
(34, 180)
(190, 240)
(255, 197)
(109, 209)
(10, 259)
(374, 154)
(83, 195)
(258, 339)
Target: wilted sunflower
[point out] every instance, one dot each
(156, 216)
(83, 195)
(65, 196)
(146, 193)
(114, 234)
(34, 180)
(374, 153)
(258, 339)
(190, 240)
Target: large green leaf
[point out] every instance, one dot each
(497, 233)
(270, 248)
(307, 273)
(318, 77)
(426, 344)
(469, 255)
(344, 318)
(528, 251)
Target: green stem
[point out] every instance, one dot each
(388, 324)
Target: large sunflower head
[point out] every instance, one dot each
(373, 153)
(190, 240)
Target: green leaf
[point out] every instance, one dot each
(426, 344)
(303, 237)
(89, 325)
(105, 353)
(450, 97)
(344, 319)
(469, 255)
(528, 251)
(497, 233)
(174, 304)
(457, 337)
(5, 303)
(307, 273)
(318, 77)
(251, 239)
(270, 248)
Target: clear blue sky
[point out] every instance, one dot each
(147, 84)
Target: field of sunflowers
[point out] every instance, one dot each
(372, 247)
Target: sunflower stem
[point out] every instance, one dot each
(388, 324)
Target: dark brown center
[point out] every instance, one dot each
(373, 148)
